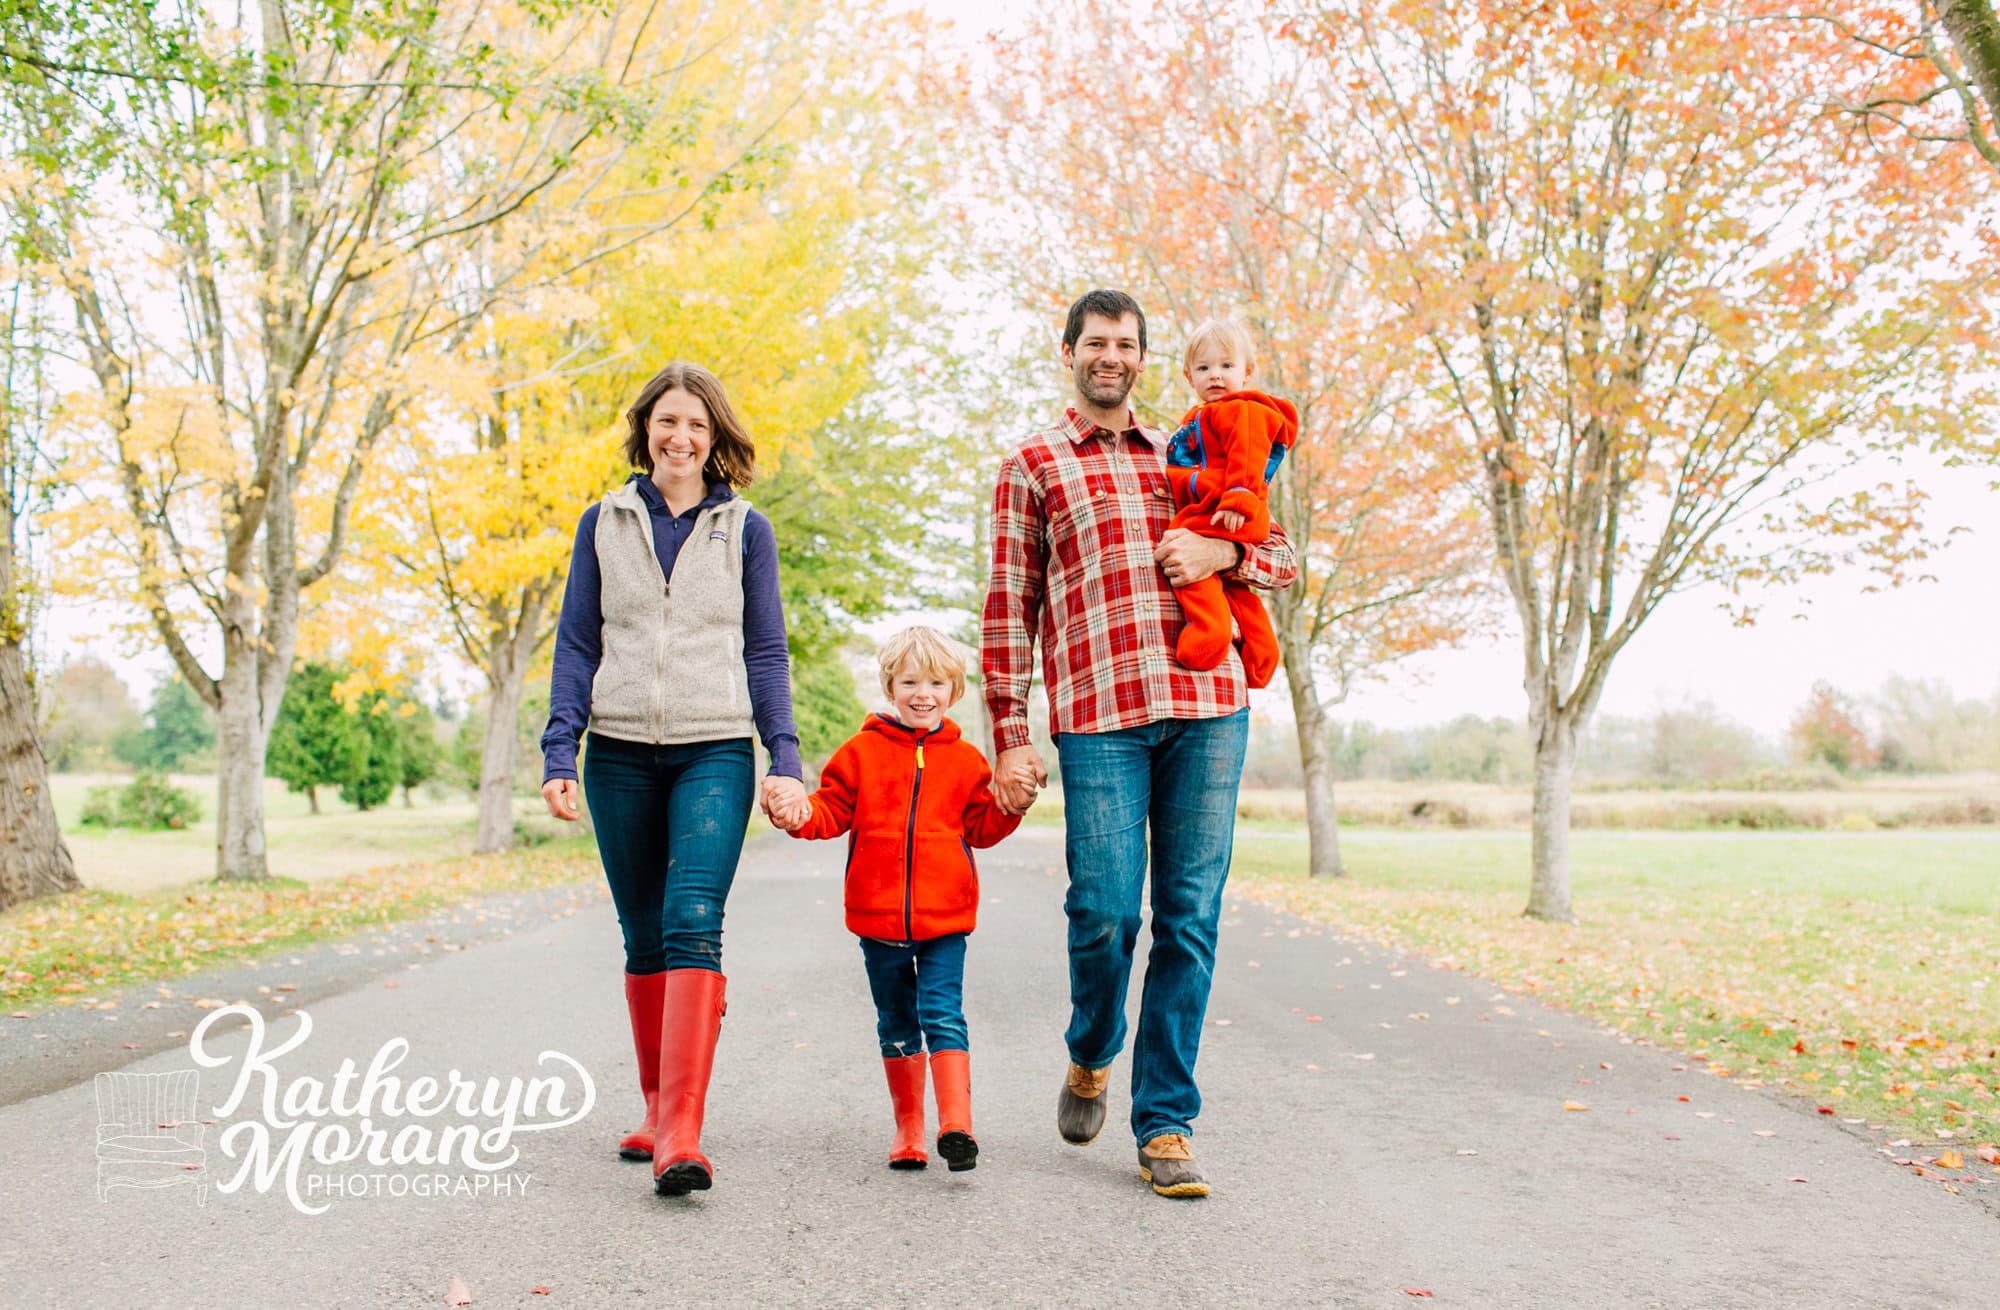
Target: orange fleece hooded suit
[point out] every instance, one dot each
(1222, 458)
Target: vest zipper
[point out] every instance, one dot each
(910, 850)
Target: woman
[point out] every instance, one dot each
(671, 648)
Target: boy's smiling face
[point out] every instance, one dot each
(1215, 371)
(920, 696)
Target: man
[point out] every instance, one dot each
(1084, 562)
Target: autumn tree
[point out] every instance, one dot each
(769, 235)
(85, 710)
(259, 218)
(1168, 149)
(1827, 730)
(1681, 312)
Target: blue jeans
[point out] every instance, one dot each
(919, 990)
(1180, 777)
(670, 822)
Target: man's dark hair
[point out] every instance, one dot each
(1113, 305)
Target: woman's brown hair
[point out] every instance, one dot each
(731, 459)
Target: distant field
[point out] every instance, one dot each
(339, 841)
(1959, 800)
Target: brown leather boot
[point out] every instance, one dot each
(951, 1077)
(643, 994)
(692, 1020)
(906, 1094)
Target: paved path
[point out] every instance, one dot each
(1354, 1157)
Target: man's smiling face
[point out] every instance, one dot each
(1106, 360)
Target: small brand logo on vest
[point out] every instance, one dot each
(342, 1139)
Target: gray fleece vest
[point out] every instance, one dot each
(673, 647)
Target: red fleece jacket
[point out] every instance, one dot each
(915, 806)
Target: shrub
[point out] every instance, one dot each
(149, 803)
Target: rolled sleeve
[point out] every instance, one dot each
(1271, 565)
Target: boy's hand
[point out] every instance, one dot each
(787, 818)
(1228, 520)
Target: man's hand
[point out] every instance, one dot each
(560, 794)
(1187, 557)
(784, 802)
(1017, 775)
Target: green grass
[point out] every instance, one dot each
(1860, 971)
(340, 841)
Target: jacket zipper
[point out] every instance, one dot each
(910, 850)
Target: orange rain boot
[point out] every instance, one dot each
(906, 1094)
(692, 1020)
(643, 994)
(951, 1077)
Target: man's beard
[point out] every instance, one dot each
(1103, 392)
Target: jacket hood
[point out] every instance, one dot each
(889, 727)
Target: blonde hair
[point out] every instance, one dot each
(930, 650)
(1226, 333)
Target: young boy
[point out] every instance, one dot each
(1220, 464)
(917, 798)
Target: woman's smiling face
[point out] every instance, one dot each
(679, 435)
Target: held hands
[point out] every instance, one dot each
(1187, 557)
(1017, 775)
(784, 802)
(560, 793)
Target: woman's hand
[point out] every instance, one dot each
(560, 793)
(784, 802)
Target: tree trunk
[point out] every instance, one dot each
(1315, 758)
(240, 743)
(496, 757)
(1555, 770)
(33, 858)
(312, 799)
(408, 804)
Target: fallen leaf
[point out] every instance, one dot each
(1988, 1152)
(1574, 1105)
(1949, 1160)
(1416, 1291)
(457, 1293)
(1798, 1180)
(1763, 1132)
(1826, 1109)
(1467, 1151)
(543, 1290)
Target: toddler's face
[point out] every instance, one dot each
(920, 697)
(1215, 372)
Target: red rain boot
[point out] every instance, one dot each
(906, 1094)
(643, 993)
(951, 1078)
(692, 1020)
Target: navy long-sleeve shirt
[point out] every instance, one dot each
(580, 632)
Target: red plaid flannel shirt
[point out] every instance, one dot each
(1076, 518)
